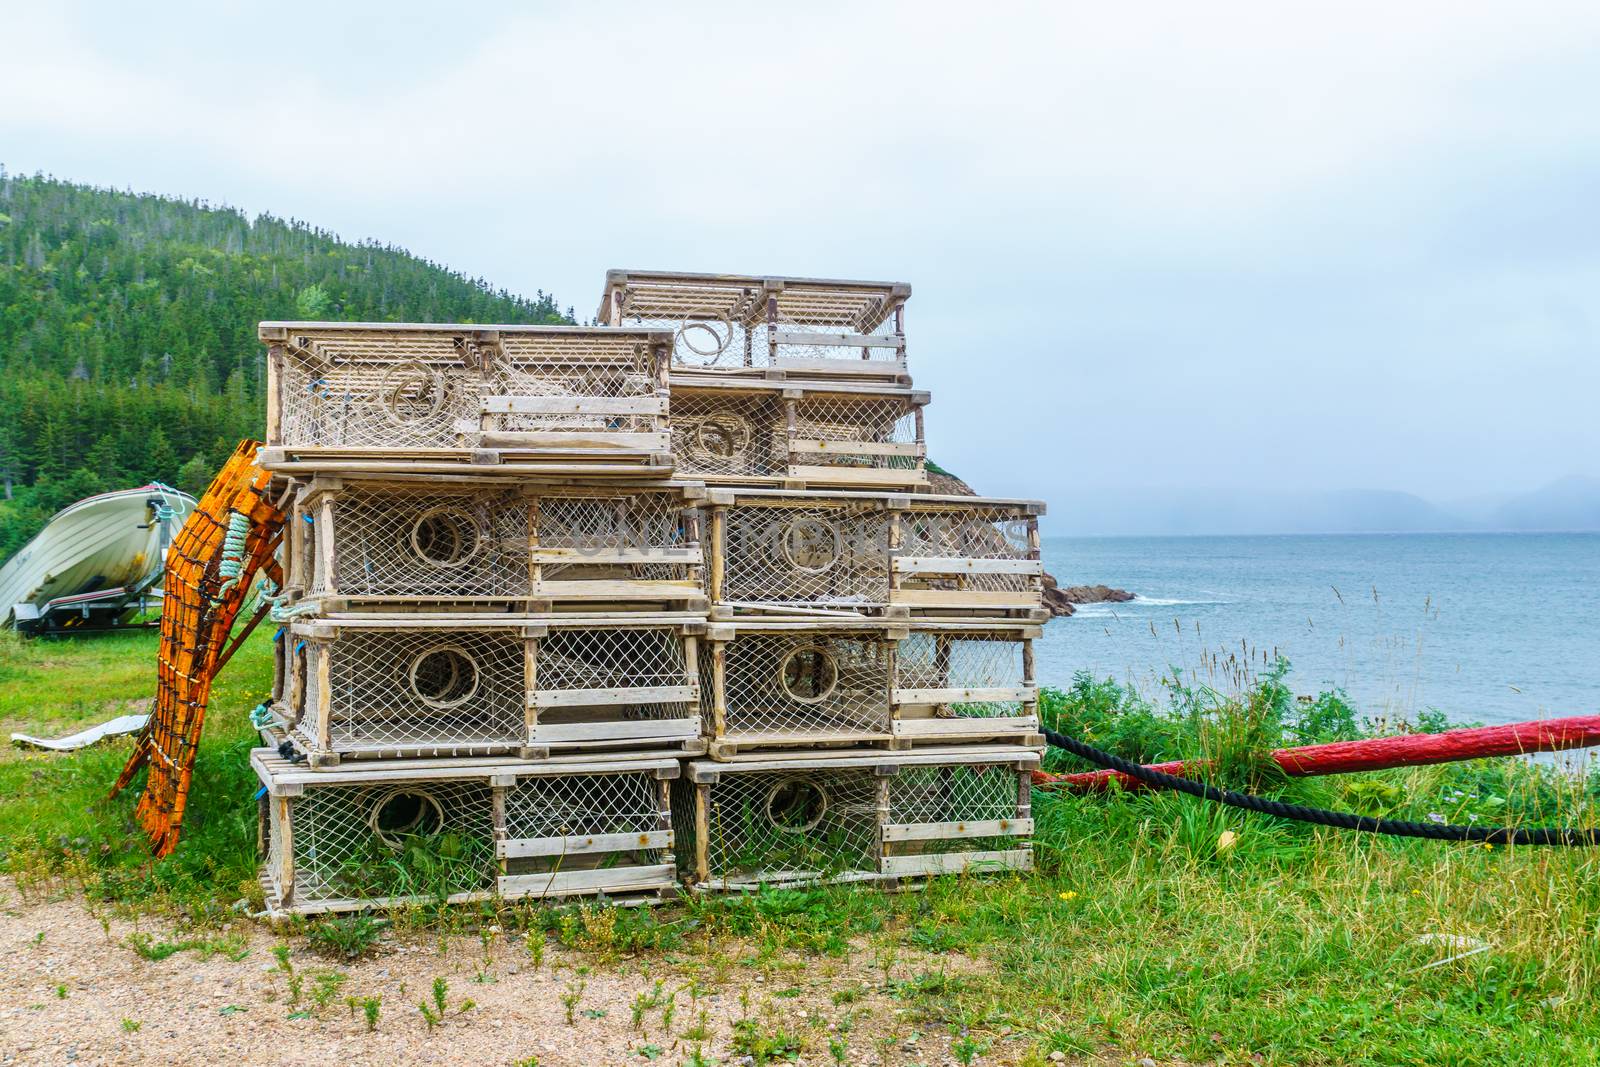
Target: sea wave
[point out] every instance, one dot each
(1167, 602)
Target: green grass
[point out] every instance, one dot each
(1137, 934)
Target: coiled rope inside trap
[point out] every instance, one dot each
(1572, 837)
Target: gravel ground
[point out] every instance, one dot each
(72, 991)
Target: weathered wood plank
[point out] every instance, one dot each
(957, 862)
(989, 694)
(575, 405)
(951, 565)
(522, 848)
(645, 694)
(950, 831)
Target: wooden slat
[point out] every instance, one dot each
(862, 368)
(624, 730)
(857, 475)
(947, 565)
(659, 876)
(950, 831)
(615, 589)
(653, 694)
(990, 694)
(841, 340)
(956, 862)
(522, 848)
(574, 405)
(568, 439)
(858, 448)
(642, 554)
(962, 598)
(966, 726)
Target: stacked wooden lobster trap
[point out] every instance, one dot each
(616, 609)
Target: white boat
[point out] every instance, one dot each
(96, 563)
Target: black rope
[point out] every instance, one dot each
(1491, 835)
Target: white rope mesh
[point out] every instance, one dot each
(819, 554)
(809, 682)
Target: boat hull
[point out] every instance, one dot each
(94, 562)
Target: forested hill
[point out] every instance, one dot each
(128, 348)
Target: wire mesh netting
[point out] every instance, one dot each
(727, 324)
(611, 675)
(942, 661)
(807, 682)
(357, 389)
(369, 842)
(231, 535)
(396, 542)
(821, 553)
(555, 808)
(792, 825)
(724, 433)
(369, 388)
(435, 688)
(842, 420)
(953, 796)
(970, 532)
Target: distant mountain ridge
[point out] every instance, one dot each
(1567, 504)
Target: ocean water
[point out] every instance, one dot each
(1483, 627)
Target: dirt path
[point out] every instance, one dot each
(73, 991)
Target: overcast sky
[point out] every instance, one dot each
(1198, 245)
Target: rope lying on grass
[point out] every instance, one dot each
(1489, 835)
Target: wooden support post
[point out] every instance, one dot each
(664, 819)
(896, 534)
(285, 871)
(717, 553)
(772, 330)
(497, 810)
(275, 371)
(530, 686)
(884, 848)
(702, 832)
(324, 719)
(719, 689)
(691, 673)
(694, 538)
(1032, 706)
(325, 548)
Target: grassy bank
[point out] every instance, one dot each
(1154, 925)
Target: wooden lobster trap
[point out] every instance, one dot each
(356, 686)
(849, 818)
(386, 397)
(873, 555)
(461, 830)
(489, 544)
(819, 683)
(766, 326)
(729, 432)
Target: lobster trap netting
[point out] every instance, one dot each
(840, 420)
(616, 537)
(363, 389)
(371, 842)
(807, 682)
(575, 366)
(955, 795)
(431, 688)
(968, 532)
(725, 324)
(407, 543)
(611, 674)
(792, 825)
(944, 661)
(821, 553)
(729, 434)
(232, 534)
(553, 808)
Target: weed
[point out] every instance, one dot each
(231, 946)
(966, 1048)
(131, 1026)
(698, 1058)
(325, 987)
(441, 990)
(701, 1030)
(762, 1046)
(650, 1052)
(61, 992)
(371, 1007)
(839, 1048)
(429, 1016)
(594, 1013)
(643, 1002)
(534, 941)
(346, 936)
(572, 996)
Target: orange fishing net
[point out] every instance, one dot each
(232, 534)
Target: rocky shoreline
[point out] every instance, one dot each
(1059, 600)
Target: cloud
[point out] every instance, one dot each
(1232, 243)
